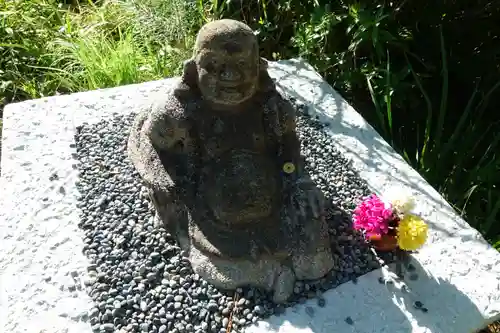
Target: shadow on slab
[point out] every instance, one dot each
(419, 302)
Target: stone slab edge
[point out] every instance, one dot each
(39, 238)
(40, 242)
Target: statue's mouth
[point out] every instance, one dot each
(232, 90)
(231, 94)
(231, 85)
(234, 94)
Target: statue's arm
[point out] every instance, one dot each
(152, 135)
(290, 143)
(301, 185)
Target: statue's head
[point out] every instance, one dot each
(227, 63)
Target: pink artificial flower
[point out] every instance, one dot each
(373, 216)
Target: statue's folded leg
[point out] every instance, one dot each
(312, 258)
(229, 273)
(171, 215)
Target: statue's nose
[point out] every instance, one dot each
(230, 73)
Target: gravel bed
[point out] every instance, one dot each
(137, 277)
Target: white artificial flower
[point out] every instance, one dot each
(400, 199)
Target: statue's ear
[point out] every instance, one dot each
(190, 73)
(189, 80)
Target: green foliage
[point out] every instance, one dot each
(25, 28)
(112, 48)
(48, 48)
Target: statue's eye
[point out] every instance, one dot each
(211, 66)
(242, 63)
(169, 132)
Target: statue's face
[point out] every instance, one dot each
(228, 70)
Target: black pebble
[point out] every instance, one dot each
(108, 327)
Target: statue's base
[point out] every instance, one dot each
(268, 274)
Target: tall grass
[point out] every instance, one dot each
(25, 28)
(456, 165)
(97, 60)
(89, 46)
(122, 42)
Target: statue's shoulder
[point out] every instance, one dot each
(164, 118)
(169, 105)
(165, 111)
(281, 112)
(169, 123)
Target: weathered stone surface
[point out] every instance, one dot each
(40, 242)
(212, 152)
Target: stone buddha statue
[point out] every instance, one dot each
(221, 159)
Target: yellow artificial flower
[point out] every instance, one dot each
(400, 199)
(412, 232)
(289, 167)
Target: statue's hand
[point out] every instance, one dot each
(307, 199)
(316, 201)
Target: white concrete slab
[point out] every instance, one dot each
(459, 273)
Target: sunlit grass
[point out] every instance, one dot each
(98, 61)
(114, 46)
(90, 46)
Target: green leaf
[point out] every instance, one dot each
(444, 94)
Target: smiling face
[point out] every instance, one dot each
(227, 62)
